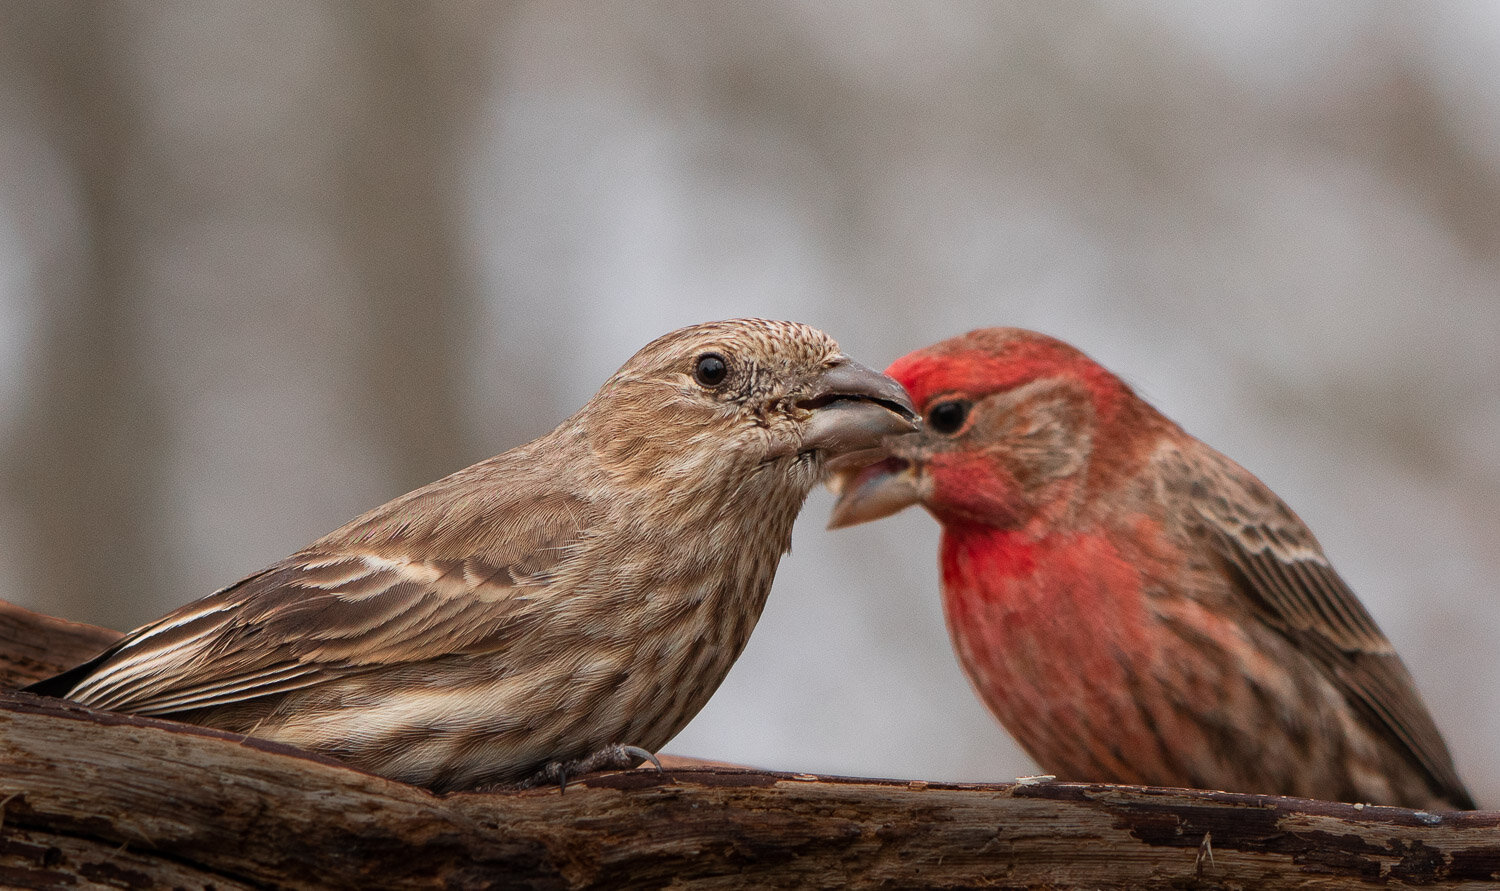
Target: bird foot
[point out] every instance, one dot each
(612, 757)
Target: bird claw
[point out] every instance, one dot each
(642, 755)
(611, 757)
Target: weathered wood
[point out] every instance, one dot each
(99, 799)
(34, 646)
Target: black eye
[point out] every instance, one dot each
(947, 417)
(710, 370)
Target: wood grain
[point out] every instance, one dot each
(34, 646)
(95, 799)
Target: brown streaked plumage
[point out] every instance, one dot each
(530, 615)
(1132, 605)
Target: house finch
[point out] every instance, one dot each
(1132, 605)
(565, 606)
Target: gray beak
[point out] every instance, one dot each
(875, 490)
(854, 408)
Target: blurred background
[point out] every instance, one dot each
(264, 266)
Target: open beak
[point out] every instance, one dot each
(873, 490)
(870, 480)
(853, 409)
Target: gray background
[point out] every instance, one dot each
(263, 266)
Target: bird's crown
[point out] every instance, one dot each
(996, 360)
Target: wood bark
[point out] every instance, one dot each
(95, 799)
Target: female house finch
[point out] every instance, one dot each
(1132, 605)
(565, 606)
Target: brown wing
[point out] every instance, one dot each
(1282, 571)
(328, 612)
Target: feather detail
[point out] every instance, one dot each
(1282, 571)
(587, 590)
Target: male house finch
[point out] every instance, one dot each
(1132, 605)
(565, 606)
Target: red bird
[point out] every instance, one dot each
(1132, 605)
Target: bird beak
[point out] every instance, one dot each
(853, 409)
(873, 490)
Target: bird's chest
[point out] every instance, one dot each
(1043, 624)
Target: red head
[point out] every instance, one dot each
(1017, 426)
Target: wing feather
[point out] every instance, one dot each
(289, 628)
(491, 536)
(228, 690)
(343, 606)
(1283, 573)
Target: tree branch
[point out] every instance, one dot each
(94, 797)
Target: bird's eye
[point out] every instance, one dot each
(710, 370)
(948, 417)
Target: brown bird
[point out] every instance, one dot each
(566, 606)
(1132, 605)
